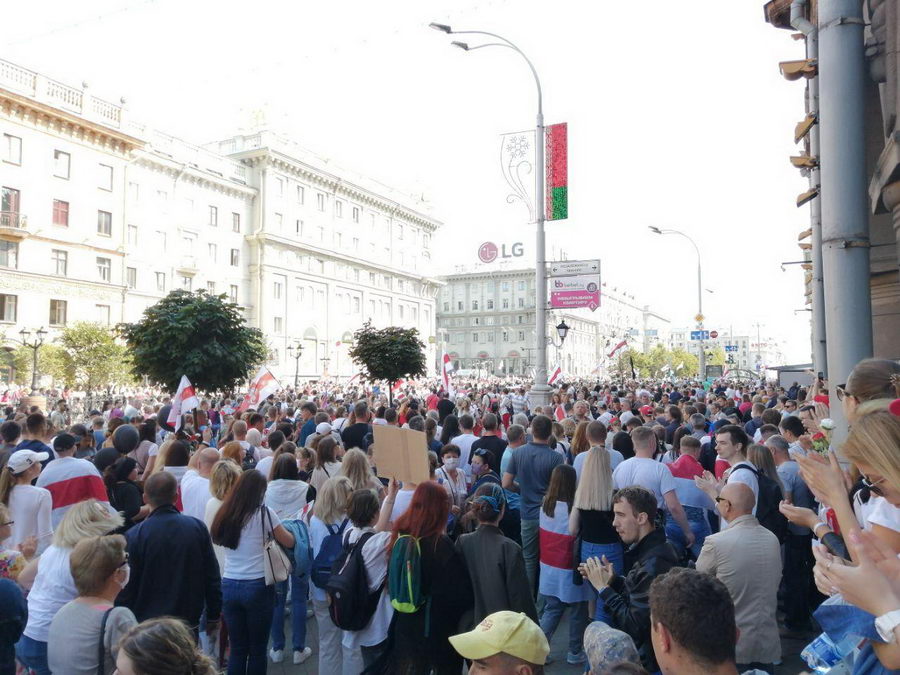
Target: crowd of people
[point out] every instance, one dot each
(677, 528)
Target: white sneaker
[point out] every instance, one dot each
(277, 655)
(300, 657)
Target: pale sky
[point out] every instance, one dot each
(677, 118)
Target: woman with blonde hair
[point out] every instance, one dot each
(90, 626)
(329, 518)
(222, 478)
(591, 519)
(870, 381)
(355, 466)
(762, 459)
(580, 441)
(162, 647)
(233, 451)
(50, 577)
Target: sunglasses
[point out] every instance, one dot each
(873, 487)
(841, 391)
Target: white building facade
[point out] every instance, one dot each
(102, 217)
(745, 352)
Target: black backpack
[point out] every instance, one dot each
(351, 605)
(249, 459)
(770, 496)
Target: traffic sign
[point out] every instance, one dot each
(569, 268)
(699, 335)
(731, 348)
(699, 318)
(713, 334)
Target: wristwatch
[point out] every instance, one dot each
(885, 625)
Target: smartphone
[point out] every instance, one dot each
(821, 375)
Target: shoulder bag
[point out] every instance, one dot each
(277, 563)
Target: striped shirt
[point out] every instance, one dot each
(71, 480)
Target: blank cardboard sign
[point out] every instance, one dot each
(401, 454)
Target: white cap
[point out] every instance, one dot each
(323, 428)
(22, 460)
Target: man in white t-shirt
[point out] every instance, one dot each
(465, 441)
(731, 444)
(195, 484)
(655, 476)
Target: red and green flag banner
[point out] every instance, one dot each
(557, 172)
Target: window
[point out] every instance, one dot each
(105, 177)
(474, 305)
(490, 337)
(278, 324)
(505, 303)
(356, 305)
(233, 293)
(355, 244)
(58, 312)
(520, 319)
(504, 286)
(102, 312)
(320, 201)
(521, 302)
(277, 289)
(104, 223)
(521, 335)
(9, 254)
(132, 235)
(522, 285)
(299, 229)
(60, 262)
(459, 306)
(279, 220)
(213, 216)
(474, 337)
(187, 283)
(8, 307)
(211, 287)
(12, 150)
(490, 304)
(339, 208)
(355, 214)
(10, 204)
(506, 336)
(235, 222)
(131, 277)
(162, 196)
(446, 306)
(104, 268)
(161, 238)
(235, 257)
(213, 251)
(301, 194)
(134, 191)
(61, 164)
(161, 281)
(400, 232)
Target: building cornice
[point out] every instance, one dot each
(174, 169)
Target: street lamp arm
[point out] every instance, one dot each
(682, 234)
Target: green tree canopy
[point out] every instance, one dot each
(51, 361)
(194, 334)
(389, 354)
(91, 358)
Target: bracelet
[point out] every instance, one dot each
(816, 529)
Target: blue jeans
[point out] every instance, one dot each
(699, 526)
(531, 551)
(33, 655)
(247, 606)
(615, 554)
(578, 620)
(299, 593)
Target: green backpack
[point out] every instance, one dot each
(405, 578)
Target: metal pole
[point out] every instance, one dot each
(820, 359)
(34, 368)
(845, 227)
(700, 313)
(540, 392)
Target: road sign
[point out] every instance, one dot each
(713, 334)
(714, 371)
(699, 335)
(731, 348)
(568, 268)
(699, 318)
(572, 292)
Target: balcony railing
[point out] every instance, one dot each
(12, 219)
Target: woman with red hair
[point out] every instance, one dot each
(420, 636)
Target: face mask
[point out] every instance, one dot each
(127, 569)
(477, 469)
(451, 463)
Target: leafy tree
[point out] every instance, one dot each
(51, 361)
(194, 334)
(91, 357)
(390, 354)
(715, 356)
(682, 356)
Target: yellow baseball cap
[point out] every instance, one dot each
(507, 632)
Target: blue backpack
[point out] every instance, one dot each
(331, 549)
(301, 553)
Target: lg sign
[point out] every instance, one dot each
(488, 252)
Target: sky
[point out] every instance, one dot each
(677, 118)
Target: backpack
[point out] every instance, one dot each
(301, 544)
(351, 605)
(331, 548)
(249, 461)
(770, 496)
(405, 577)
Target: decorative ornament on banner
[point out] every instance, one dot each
(517, 164)
(557, 172)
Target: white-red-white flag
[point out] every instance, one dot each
(446, 367)
(554, 375)
(261, 386)
(617, 348)
(560, 413)
(185, 399)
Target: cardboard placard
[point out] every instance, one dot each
(400, 453)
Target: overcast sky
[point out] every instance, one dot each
(677, 117)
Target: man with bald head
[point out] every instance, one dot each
(195, 483)
(746, 557)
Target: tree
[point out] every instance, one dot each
(688, 362)
(390, 354)
(194, 334)
(91, 357)
(50, 362)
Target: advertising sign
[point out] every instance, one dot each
(573, 292)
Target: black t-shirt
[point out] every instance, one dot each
(354, 435)
(597, 527)
(495, 445)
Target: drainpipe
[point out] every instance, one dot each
(819, 353)
(845, 227)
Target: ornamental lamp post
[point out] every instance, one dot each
(295, 351)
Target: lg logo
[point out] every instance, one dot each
(488, 252)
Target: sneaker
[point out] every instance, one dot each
(575, 659)
(277, 655)
(301, 656)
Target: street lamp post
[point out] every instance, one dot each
(540, 391)
(34, 345)
(296, 351)
(657, 230)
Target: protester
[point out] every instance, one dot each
(355, 465)
(491, 440)
(124, 493)
(195, 483)
(451, 476)
(161, 647)
(327, 464)
(99, 567)
(13, 617)
(33, 436)
(504, 643)
(610, 651)
(29, 507)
